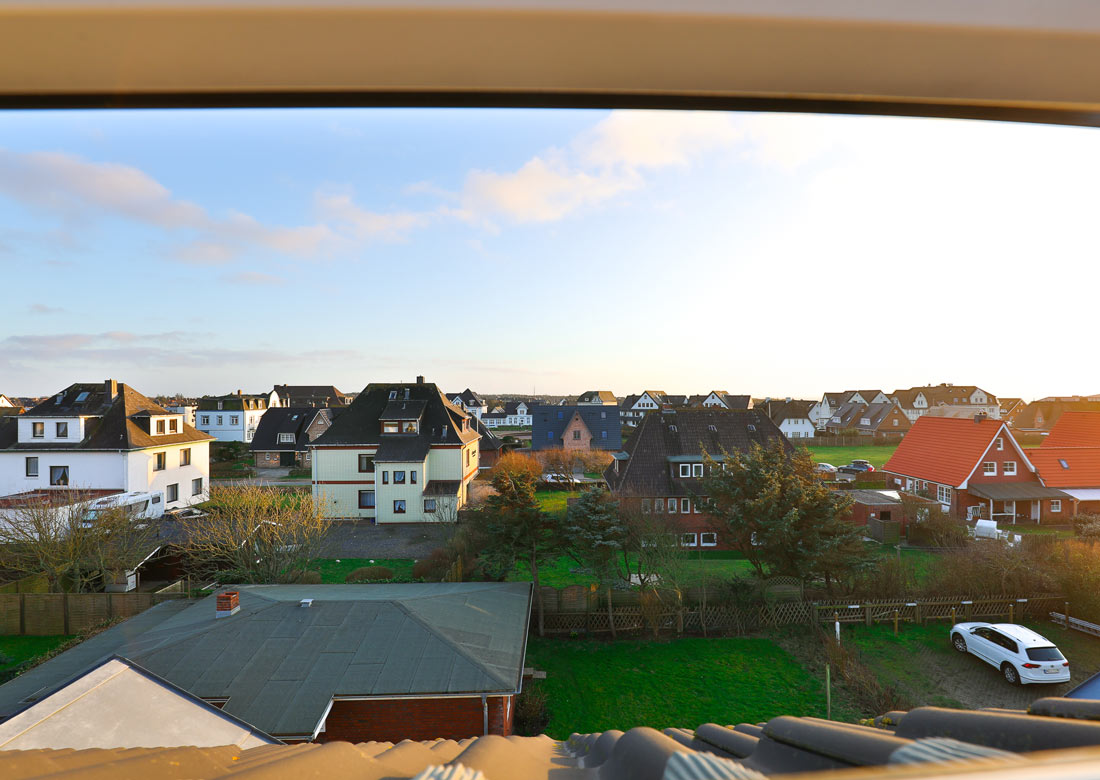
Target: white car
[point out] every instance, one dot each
(1019, 653)
(825, 468)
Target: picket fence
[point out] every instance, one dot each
(580, 610)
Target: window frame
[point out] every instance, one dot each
(38, 430)
(1055, 506)
(434, 505)
(403, 509)
(62, 478)
(1005, 470)
(704, 534)
(399, 477)
(370, 497)
(160, 460)
(196, 486)
(185, 456)
(172, 493)
(685, 470)
(989, 468)
(369, 460)
(61, 429)
(27, 467)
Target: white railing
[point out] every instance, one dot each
(1076, 623)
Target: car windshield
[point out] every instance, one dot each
(1044, 654)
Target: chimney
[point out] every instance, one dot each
(307, 603)
(420, 380)
(228, 603)
(979, 417)
(110, 387)
(239, 392)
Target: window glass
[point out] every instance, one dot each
(399, 507)
(366, 499)
(1044, 654)
(173, 492)
(399, 477)
(32, 467)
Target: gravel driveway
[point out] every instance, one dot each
(364, 540)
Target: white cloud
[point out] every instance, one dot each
(364, 224)
(254, 278)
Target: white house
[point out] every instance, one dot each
(400, 453)
(233, 417)
(187, 410)
(792, 417)
(104, 437)
(634, 407)
(514, 414)
(822, 412)
(470, 402)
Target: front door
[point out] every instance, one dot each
(286, 458)
(1035, 510)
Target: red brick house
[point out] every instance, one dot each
(661, 468)
(974, 468)
(1069, 459)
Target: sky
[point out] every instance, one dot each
(545, 251)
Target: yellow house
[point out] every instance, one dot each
(400, 453)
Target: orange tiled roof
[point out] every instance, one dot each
(943, 449)
(1075, 429)
(1082, 469)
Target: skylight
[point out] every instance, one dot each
(1062, 463)
(82, 397)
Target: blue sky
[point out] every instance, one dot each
(548, 251)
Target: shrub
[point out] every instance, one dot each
(310, 578)
(1089, 528)
(864, 685)
(434, 567)
(370, 574)
(935, 528)
(223, 451)
(532, 715)
(990, 568)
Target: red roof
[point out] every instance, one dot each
(943, 449)
(1081, 469)
(1075, 429)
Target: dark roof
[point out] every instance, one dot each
(294, 420)
(787, 410)
(360, 423)
(1015, 491)
(647, 471)
(403, 410)
(468, 396)
(234, 402)
(927, 742)
(279, 664)
(597, 397)
(512, 407)
(310, 395)
(114, 423)
(442, 487)
(406, 448)
(548, 423)
(845, 416)
(489, 440)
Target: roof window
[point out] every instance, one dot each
(82, 397)
(1062, 463)
(751, 427)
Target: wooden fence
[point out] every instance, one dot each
(52, 614)
(32, 583)
(828, 440)
(580, 610)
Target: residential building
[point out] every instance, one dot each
(1041, 416)
(661, 469)
(824, 410)
(321, 663)
(1010, 408)
(397, 454)
(975, 469)
(10, 406)
(234, 417)
(285, 432)
(581, 427)
(514, 414)
(1069, 459)
(719, 399)
(104, 436)
(634, 407)
(880, 420)
(917, 401)
(792, 417)
(489, 448)
(186, 410)
(470, 402)
(319, 396)
(597, 398)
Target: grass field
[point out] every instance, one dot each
(14, 650)
(565, 571)
(595, 686)
(554, 500)
(841, 456)
(333, 570)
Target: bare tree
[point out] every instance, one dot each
(75, 550)
(254, 534)
(562, 463)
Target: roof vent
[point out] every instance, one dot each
(406, 394)
(306, 603)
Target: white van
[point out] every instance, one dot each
(140, 505)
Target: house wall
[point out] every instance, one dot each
(680, 522)
(87, 470)
(576, 435)
(797, 428)
(392, 720)
(141, 476)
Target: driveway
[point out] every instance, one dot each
(350, 539)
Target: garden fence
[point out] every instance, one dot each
(827, 440)
(585, 610)
(52, 614)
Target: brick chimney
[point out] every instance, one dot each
(979, 417)
(110, 387)
(420, 380)
(227, 603)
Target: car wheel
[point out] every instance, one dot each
(958, 642)
(1012, 677)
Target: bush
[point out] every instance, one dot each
(532, 715)
(864, 685)
(935, 528)
(990, 568)
(310, 578)
(1087, 526)
(433, 568)
(370, 574)
(223, 451)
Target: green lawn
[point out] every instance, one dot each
(596, 686)
(14, 650)
(565, 571)
(555, 500)
(333, 571)
(841, 456)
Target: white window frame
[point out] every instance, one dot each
(286, 438)
(27, 467)
(685, 506)
(1010, 468)
(989, 468)
(696, 469)
(944, 494)
(703, 539)
(1055, 505)
(694, 539)
(1000, 442)
(685, 470)
(672, 505)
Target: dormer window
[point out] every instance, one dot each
(220, 405)
(390, 427)
(62, 429)
(393, 395)
(160, 427)
(38, 430)
(173, 425)
(409, 427)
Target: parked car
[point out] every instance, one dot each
(825, 468)
(857, 467)
(1021, 655)
(558, 479)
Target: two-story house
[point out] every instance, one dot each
(319, 396)
(400, 453)
(823, 412)
(104, 437)
(513, 414)
(597, 398)
(974, 468)
(470, 402)
(234, 417)
(634, 407)
(719, 399)
(581, 427)
(661, 468)
(918, 401)
(792, 416)
(285, 432)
